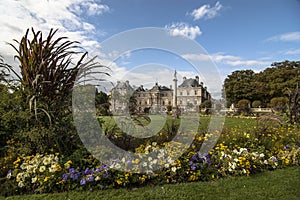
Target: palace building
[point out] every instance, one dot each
(187, 96)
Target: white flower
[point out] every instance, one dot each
(8, 176)
(261, 155)
(154, 161)
(244, 171)
(149, 159)
(236, 160)
(97, 178)
(46, 161)
(266, 162)
(21, 184)
(42, 169)
(173, 169)
(144, 164)
(33, 180)
(24, 165)
(167, 165)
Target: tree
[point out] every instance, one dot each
(263, 86)
(102, 103)
(244, 106)
(279, 104)
(256, 104)
(239, 85)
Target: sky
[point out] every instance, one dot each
(205, 37)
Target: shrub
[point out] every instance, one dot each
(256, 104)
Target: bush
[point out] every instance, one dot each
(279, 104)
(256, 104)
(244, 107)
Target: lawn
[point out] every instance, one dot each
(278, 184)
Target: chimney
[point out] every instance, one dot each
(170, 86)
(201, 83)
(197, 79)
(184, 78)
(127, 82)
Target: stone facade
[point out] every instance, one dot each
(187, 96)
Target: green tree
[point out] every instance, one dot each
(244, 106)
(239, 85)
(279, 104)
(256, 104)
(102, 103)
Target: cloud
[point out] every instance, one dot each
(286, 37)
(206, 11)
(227, 59)
(183, 29)
(292, 52)
(17, 16)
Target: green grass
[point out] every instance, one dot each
(279, 184)
(238, 123)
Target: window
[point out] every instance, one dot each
(163, 103)
(187, 93)
(180, 102)
(195, 92)
(181, 93)
(140, 103)
(146, 102)
(195, 101)
(169, 102)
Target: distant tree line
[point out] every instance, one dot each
(276, 87)
(268, 88)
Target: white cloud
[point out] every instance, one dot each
(17, 16)
(206, 11)
(227, 59)
(183, 29)
(286, 37)
(292, 52)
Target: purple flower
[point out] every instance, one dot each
(82, 181)
(9, 172)
(129, 164)
(286, 147)
(193, 167)
(106, 174)
(86, 171)
(208, 162)
(101, 187)
(74, 176)
(191, 163)
(71, 170)
(195, 157)
(91, 178)
(275, 159)
(65, 176)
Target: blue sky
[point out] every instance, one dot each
(237, 34)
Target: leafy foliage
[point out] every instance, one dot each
(263, 86)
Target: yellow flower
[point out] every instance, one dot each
(119, 182)
(46, 178)
(286, 161)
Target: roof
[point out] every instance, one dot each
(157, 87)
(123, 85)
(190, 83)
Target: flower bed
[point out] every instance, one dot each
(237, 153)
